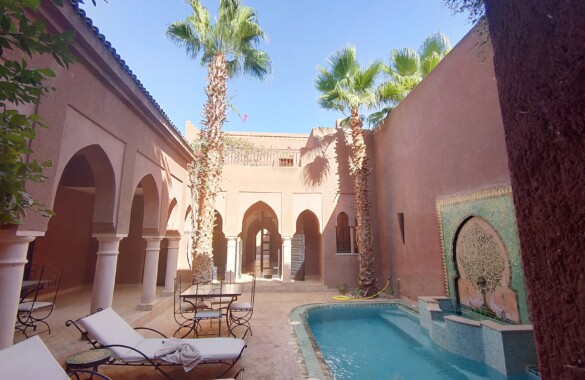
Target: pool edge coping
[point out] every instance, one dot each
(312, 365)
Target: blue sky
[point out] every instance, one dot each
(302, 35)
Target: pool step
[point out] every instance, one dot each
(410, 327)
(407, 325)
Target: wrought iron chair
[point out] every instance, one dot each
(36, 307)
(225, 277)
(240, 313)
(210, 314)
(32, 282)
(183, 312)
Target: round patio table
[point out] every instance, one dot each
(88, 359)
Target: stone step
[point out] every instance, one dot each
(289, 287)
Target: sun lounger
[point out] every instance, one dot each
(31, 359)
(106, 329)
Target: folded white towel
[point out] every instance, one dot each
(177, 351)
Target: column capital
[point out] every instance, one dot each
(13, 248)
(153, 238)
(16, 236)
(173, 243)
(102, 237)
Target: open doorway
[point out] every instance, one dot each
(261, 242)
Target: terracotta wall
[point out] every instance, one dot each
(445, 138)
(70, 245)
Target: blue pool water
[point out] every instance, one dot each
(384, 342)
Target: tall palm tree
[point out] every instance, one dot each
(348, 88)
(228, 47)
(407, 68)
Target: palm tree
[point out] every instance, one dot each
(348, 88)
(228, 48)
(406, 70)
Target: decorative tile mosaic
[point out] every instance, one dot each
(493, 223)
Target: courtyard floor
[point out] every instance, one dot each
(270, 353)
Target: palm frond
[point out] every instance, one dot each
(429, 63)
(325, 81)
(182, 35)
(235, 34)
(404, 61)
(376, 118)
(366, 79)
(392, 92)
(256, 63)
(434, 43)
(343, 63)
(346, 85)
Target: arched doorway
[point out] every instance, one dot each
(261, 242)
(219, 248)
(143, 218)
(84, 204)
(306, 248)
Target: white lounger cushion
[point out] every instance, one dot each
(211, 349)
(107, 327)
(30, 359)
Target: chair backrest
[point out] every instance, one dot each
(180, 306)
(253, 291)
(107, 327)
(220, 274)
(30, 359)
(35, 274)
(51, 283)
(214, 289)
(176, 296)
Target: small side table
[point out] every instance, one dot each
(88, 359)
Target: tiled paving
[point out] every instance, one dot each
(270, 353)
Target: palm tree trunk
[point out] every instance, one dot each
(209, 167)
(365, 238)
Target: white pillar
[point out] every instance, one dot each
(230, 265)
(105, 271)
(150, 272)
(12, 259)
(172, 260)
(286, 258)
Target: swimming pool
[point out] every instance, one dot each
(377, 341)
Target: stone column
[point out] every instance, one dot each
(150, 270)
(105, 271)
(172, 260)
(13, 250)
(230, 265)
(286, 258)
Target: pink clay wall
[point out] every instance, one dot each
(445, 138)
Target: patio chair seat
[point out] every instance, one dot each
(241, 306)
(32, 306)
(208, 313)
